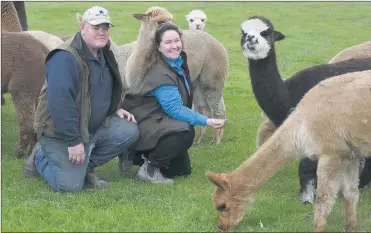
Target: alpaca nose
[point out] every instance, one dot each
(249, 37)
(198, 26)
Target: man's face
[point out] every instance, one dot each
(95, 36)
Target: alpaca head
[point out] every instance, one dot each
(155, 16)
(258, 37)
(229, 205)
(196, 20)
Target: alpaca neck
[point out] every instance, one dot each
(267, 161)
(143, 56)
(269, 89)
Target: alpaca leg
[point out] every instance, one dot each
(215, 103)
(308, 180)
(218, 112)
(351, 195)
(365, 174)
(200, 130)
(25, 111)
(330, 173)
(200, 107)
(265, 131)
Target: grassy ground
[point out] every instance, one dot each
(315, 32)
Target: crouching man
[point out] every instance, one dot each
(78, 122)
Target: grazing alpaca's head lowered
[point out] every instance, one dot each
(258, 37)
(344, 118)
(196, 20)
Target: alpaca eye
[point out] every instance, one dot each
(221, 207)
(191, 20)
(203, 20)
(266, 32)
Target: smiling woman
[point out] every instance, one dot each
(165, 122)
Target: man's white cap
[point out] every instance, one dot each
(96, 15)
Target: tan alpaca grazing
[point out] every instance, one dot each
(333, 121)
(23, 74)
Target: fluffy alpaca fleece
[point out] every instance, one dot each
(357, 51)
(21, 12)
(23, 74)
(258, 46)
(207, 60)
(196, 20)
(9, 18)
(344, 117)
(49, 40)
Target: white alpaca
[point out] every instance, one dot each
(196, 20)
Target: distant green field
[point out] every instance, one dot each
(315, 32)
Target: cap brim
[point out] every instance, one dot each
(100, 21)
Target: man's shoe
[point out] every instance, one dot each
(156, 178)
(92, 180)
(126, 161)
(29, 169)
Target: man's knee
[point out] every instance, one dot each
(69, 184)
(125, 132)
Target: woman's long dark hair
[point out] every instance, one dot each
(164, 27)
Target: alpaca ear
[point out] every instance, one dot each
(141, 17)
(220, 180)
(278, 36)
(187, 17)
(79, 18)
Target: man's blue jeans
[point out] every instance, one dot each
(105, 144)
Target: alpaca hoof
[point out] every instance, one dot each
(350, 227)
(216, 141)
(307, 193)
(307, 197)
(20, 153)
(196, 141)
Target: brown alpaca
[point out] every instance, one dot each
(357, 51)
(9, 18)
(23, 74)
(331, 121)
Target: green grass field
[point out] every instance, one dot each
(315, 32)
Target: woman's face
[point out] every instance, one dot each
(170, 44)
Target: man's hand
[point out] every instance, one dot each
(76, 154)
(216, 123)
(123, 113)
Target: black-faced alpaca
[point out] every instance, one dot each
(23, 74)
(277, 97)
(332, 124)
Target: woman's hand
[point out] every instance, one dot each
(216, 123)
(123, 113)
